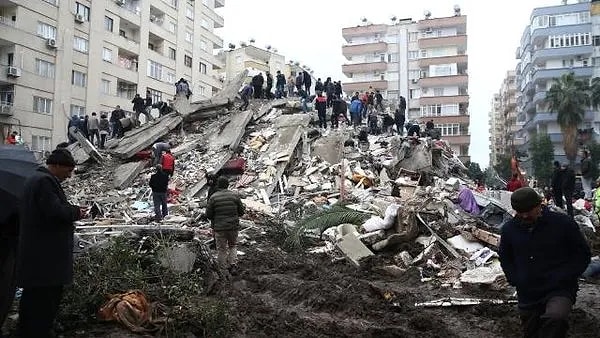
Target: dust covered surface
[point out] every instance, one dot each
(308, 295)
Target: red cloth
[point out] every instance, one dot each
(513, 185)
(168, 161)
(11, 139)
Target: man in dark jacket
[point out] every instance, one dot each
(299, 82)
(318, 86)
(399, 119)
(557, 185)
(224, 209)
(138, 108)
(268, 94)
(115, 120)
(246, 94)
(586, 174)
(321, 107)
(257, 83)
(159, 182)
(568, 186)
(307, 81)
(542, 253)
(340, 107)
(279, 85)
(45, 249)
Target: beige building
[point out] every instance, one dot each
(61, 58)
(252, 58)
(424, 61)
(504, 128)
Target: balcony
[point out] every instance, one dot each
(216, 18)
(456, 40)
(367, 67)
(443, 60)
(544, 54)
(518, 53)
(539, 97)
(462, 119)
(129, 11)
(437, 81)
(459, 22)
(369, 30)
(214, 38)
(364, 85)
(458, 139)
(219, 3)
(540, 34)
(426, 100)
(367, 48)
(541, 75)
(256, 65)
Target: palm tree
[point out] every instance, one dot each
(569, 98)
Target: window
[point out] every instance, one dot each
(41, 143)
(414, 74)
(154, 70)
(77, 110)
(173, 3)
(83, 10)
(78, 78)
(187, 60)
(46, 31)
(448, 129)
(438, 91)
(171, 77)
(126, 90)
(392, 57)
(42, 105)
(203, 45)
(423, 53)
(156, 95)
(440, 110)
(204, 23)
(189, 12)
(108, 23)
(105, 86)
(172, 27)
(414, 93)
(413, 36)
(443, 70)
(44, 68)
(106, 54)
(189, 37)
(571, 40)
(80, 44)
(172, 53)
(202, 90)
(413, 54)
(202, 68)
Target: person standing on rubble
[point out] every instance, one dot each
(557, 194)
(257, 82)
(45, 249)
(299, 82)
(399, 119)
(115, 120)
(307, 80)
(279, 85)
(93, 128)
(168, 162)
(159, 183)
(157, 150)
(568, 186)
(246, 94)
(321, 107)
(104, 128)
(290, 85)
(542, 253)
(224, 209)
(138, 108)
(268, 94)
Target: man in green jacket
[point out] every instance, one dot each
(224, 209)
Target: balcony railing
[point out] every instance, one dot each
(6, 21)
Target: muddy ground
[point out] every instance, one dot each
(307, 295)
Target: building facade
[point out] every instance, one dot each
(424, 61)
(558, 40)
(252, 58)
(61, 58)
(503, 120)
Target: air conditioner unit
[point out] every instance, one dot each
(6, 110)
(428, 30)
(79, 18)
(120, 2)
(14, 71)
(51, 43)
(414, 81)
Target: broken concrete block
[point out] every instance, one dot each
(483, 274)
(392, 270)
(461, 243)
(178, 258)
(327, 186)
(347, 228)
(372, 237)
(311, 187)
(353, 249)
(452, 184)
(126, 173)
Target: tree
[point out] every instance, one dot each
(503, 167)
(542, 156)
(594, 149)
(568, 98)
(474, 171)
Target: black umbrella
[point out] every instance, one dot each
(16, 165)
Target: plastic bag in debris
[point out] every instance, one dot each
(483, 256)
(130, 309)
(377, 223)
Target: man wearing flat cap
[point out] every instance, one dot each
(542, 253)
(45, 249)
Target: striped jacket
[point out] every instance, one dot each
(224, 209)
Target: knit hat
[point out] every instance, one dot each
(61, 157)
(524, 199)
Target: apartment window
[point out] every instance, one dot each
(413, 36)
(78, 78)
(442, 70)
(414, 93)
(438, 91)
(10, 59)
(414, 74)
(189, 37)
(156, 95)
(126, 90)
(187, 60)
(44, 68)
(82, 10)
(172, 53)
(449, 129)
(42, 105)
(80, 44)
(172, 27)
(171, 77)
(413, 54)
(46, 31)
(202, 68)
(423, 53)
(77, 110)
(204, 23)
(106, 54)
(571, 40)
(108, 23)
(41, 143)
(203, 45)
(173, 3)
(202, 90)
(154, 70)
(189, 12)
(105, 86)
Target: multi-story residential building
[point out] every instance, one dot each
(503, 120)
(426, 62)
(558, 40)
(63, 58)
(252, 58)
(595, 18)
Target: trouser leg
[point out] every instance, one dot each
(232, 247)
(163, 203)
(37, 311)
(221, 244)
(8, 253)
(156, 200)
(555, 319)
(530, 321)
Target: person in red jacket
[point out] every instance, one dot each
(514, 183)
(168, 163)
(12, 138)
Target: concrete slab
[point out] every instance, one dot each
(353, 248)
(330, 149)
(178, 258)
(78, 153)
(86, 145)
(126, 173)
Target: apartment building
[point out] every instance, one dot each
(61, 58)
(252, 58)
(424, 61)
(557, 40)
(503, 120)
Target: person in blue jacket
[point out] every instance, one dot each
(542, 253)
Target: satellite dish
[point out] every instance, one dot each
(427, 14)
(268, 47)
(393, 18)
(274, 50)
(456, 10)
(243, 44)
(252, 40)
(363, 19)
(291, 62)
(231, 46)
(297, 63)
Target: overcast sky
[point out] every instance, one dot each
(310, 31)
